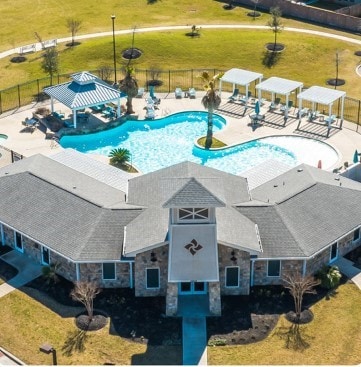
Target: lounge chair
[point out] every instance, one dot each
(58, 115)
(235, 95)
(140, 92)
(108, 112)
(98, 108)
(192, 93)
(150, 114)
(178, 93)
(152, 95)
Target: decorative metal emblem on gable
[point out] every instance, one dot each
(193, 247)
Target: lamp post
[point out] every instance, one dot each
(114, 58)
(47, 349)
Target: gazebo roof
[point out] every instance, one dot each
(321, 95)
(240, 76)
(279, 85)
(84, 90)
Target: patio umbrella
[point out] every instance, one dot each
(257, 108)
(355, 157)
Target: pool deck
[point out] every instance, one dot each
(238, 130)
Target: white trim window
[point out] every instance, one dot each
(193, 214)
(274, 268)
(232, 277)
(109, 271)
(152, 276)
(356, 235)
(45, 255)
(333, 251)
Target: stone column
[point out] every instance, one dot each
(172, 299)
(215, 298)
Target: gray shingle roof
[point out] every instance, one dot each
(63, 221)
(156, 188)
(193, 194)
(309, 212)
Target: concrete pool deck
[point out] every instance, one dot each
(238, 129)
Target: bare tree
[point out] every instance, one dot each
(275, 23)
(129, 86)
(105, 72)
(74, 26)
(255, 2)
(298, 287)
(85, 292)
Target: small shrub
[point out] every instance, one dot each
(329, 276)
(217, 342)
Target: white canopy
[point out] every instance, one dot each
(277, 85)
(324, 96)
(239, 77)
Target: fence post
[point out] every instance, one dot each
(19, 100)
(38, 99)
(1, 107)
(168, 81)
(358, 116)
(192, 78)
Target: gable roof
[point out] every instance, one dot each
(154, 189)
(193, 194)
(305, 213)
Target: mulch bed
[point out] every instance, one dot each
(244, 320)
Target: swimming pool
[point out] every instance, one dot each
(163, 142)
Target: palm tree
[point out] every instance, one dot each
(119, 157)
(210, 101)
(129, 86)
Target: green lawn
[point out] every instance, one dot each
(333, 337)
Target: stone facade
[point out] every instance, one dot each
(172, 299)
(287, 267)
(242, 260)
(144, 261)
(214, 290)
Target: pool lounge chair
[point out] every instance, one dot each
(178, 93)
(140, 93)
(235, 95)
(150, 114)
(192, 93)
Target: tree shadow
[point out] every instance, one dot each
(270, 59)
(75, 342)
(294, 337)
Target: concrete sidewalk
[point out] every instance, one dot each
(346, 267)
(28, 271)
(7, 359)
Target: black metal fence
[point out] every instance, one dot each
(165, 81)
(8, 156)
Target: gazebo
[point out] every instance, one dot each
(323, 96)
(239, 77)
(275, 85)
(85, 90)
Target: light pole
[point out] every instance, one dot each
(47, 349)
(114, 58)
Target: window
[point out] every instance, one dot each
(45, 256)
(356, 234)
(152, 278)
(108, 271)
(19, 242)
(191, 214)
(232, 276)
(274, 268)
(333, 254)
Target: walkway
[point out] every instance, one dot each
(346, 267)
(194, 309)
(28, 271)
(203, 26)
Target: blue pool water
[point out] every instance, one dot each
(163, 142)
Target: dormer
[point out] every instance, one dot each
(193, 203)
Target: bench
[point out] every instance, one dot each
(49, 43)
(27, 49)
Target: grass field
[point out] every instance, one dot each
(333, 337)
(308, 59)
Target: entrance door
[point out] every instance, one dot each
(192, 288)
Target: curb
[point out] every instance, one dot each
(11, 357)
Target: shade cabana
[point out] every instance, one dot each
(323, 96)
(239, 77)
(275, 85)
(85, 90)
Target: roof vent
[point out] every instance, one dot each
(337, 178)
(74, 187)
(275, 185)
(299, 170)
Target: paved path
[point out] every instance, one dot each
(346, 267)
(7, 359)
(181, 27)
